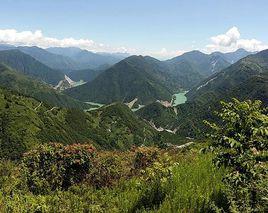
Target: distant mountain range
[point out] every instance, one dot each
(86, 59)
(235, 56)
(68, 59)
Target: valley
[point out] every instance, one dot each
(93, 131)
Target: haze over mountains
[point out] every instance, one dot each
(68, 59)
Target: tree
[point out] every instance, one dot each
(240, 142)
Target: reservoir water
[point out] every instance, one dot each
(179, 98)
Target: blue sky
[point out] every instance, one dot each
(162, 28)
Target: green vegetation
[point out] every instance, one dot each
(158, 186)
(26, 122)
(85, 75)
(30, 66)
(53, 167)
(111, 159)
(241, 144)
(147, 78)
(79, 178)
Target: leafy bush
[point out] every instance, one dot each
(240, 142)
(144, 157)
(107, 169)
(54, 166)
(157, 176)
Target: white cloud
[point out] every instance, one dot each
(231, 41)
(36, 38)
(165, 54)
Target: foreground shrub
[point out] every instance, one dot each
(144, 157)
(240, 142)
(107, 170)
(54, 166)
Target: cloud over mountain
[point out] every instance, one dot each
(230, 41)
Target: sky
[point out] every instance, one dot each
(160, 28)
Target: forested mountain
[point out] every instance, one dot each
(245, 79)
(16, 81)
(159, 115)
(30, 66)
(134, 77)
(196, 61)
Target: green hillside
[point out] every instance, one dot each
(30, 66)
(26, 122)
(131, 78)
(160, 115)
(16, 81)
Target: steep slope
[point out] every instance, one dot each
(16, 81)
(159, 115)
(134, 77)
(26, 122)
(30, 66)
(85, 75)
